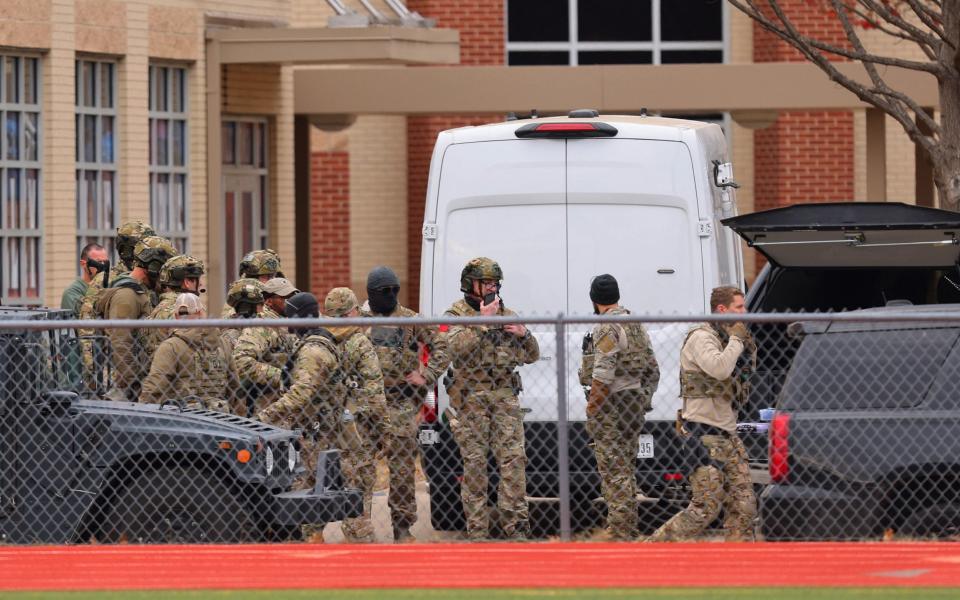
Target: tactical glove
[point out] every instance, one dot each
(739, 330)
(286, 378)
(598, 394)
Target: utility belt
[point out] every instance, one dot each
(403, 391)
(491, 384)
(696, 453)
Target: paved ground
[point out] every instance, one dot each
(544, 565)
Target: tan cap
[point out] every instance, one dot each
(339, 302)
(279, 286)
(189, 304)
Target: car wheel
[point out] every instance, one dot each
(940, 521)
(177, 505)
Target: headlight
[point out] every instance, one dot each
(292, 456)
(268, 459)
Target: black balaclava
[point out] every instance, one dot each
(383, 287)
(604, 290)
(302, 305)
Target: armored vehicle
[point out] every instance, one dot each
(75, 468)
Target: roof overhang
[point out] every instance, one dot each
(607, 88)
(323, 45)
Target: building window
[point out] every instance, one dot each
(21, 211)
(96, 117)
(591, 32)
(169, 154)
(244, 144)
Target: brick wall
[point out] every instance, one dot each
(329, 221)
(804, 156)
(482, 42)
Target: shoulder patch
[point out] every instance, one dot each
(606, 344)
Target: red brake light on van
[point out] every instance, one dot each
(566, 130)
(779, 447)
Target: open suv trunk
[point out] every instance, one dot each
(837, 257)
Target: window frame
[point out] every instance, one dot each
(105, 235)
(179, 238)
(573, 46)
(23, 166)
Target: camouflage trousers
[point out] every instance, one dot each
(491, 420)
(616, 430)
(359, 460)
(403, 403)
(726, 484)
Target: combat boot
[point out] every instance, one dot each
(521, 532)
(402, 535)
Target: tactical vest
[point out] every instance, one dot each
(205, 375)
(697, 384)
(637, 361)
(498, 354)
(328, 399)
(396, 347)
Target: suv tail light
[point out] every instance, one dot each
(589, 129)
(779, 447)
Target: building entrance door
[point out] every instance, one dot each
(245, 201)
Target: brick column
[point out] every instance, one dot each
(482, 42)
(329, 221)
(804, 156)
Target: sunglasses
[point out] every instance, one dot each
(393, 289)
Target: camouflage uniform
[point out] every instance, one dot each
(398, 349)
(188, 363)
(623, 362)
(259, 358)
(484, 395)
(365, 400)
(254, 265)
(249, 294)
(722, 479)
(172, 274)
(128, 298)
(128, 235)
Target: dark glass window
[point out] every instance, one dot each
(613, 57)
(538, 21)
(538, 58)
(691, 20)
(668, 57)
(614, 20)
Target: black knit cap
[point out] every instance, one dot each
(604, 289)
(302, 305)
(381, 277)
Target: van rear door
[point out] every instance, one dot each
(632, 212)
(512, 188)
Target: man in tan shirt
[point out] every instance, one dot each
(709, 382)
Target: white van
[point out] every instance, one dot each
(557, 201)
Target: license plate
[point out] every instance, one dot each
(646, 446)
(429, 437)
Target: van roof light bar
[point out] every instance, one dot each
(566, 130)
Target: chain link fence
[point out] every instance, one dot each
(383, 430)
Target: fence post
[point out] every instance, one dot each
(563, 433)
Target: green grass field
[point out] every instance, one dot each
(612, 594)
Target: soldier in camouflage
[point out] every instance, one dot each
(406, 381)
(259, 357)
(263, 265)
(245, 297)
(179, 275)
(483, 395)
(94, 356)
(364, 401)
(622, 371)
(189, 365)
(311, 402)
(710, 390)
(132, 297)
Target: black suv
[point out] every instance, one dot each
(74, 468)
(866, 437)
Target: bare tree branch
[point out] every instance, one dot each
(929, 45)
(894, 18)
(930, 18)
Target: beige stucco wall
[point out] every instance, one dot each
(378, 198)
(136, 33)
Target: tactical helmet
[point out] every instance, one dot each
(478, 269)
(178, 268)
(245, 291)
(128, 235)
(260, 262)
(339, 302)
(152, 252)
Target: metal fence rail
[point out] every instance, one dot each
(430, 429)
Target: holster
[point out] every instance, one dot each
(516, 383)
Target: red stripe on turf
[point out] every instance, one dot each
(478, 566)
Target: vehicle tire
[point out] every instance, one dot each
(174, 504)
(938, 521)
